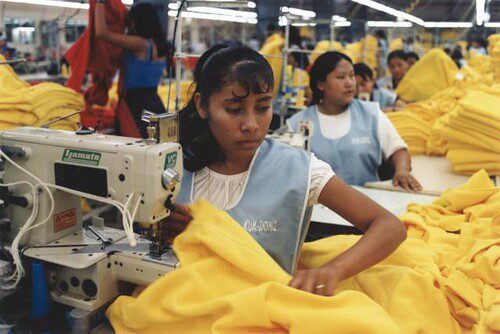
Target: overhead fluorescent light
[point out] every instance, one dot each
(391, 11)
(214, 17)
(448, 24)
(298, 12)
(389, 24)
(480, 4)
(342, 24)
(338, 18)
(62, 4)
(221, 11)
(24, 29)
(251, 4)
(492, 24)
(52, 3)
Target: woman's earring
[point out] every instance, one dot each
(320, 101)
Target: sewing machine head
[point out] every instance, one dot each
(107, 166)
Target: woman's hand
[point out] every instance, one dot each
(320, 281)
(406, 181)
(176, 222)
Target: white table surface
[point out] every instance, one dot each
(394, 201)
(434, 174)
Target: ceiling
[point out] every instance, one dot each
(428, 10)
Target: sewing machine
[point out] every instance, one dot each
(300, 139)
(84, 263)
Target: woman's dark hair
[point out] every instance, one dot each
(397, 54)
(147, 25)
(413, 55)
(364, 71)
(218, 67)
(325, 64)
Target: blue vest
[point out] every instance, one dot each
(384, 97)
(141, 73)
(354, 157)
(273, 207)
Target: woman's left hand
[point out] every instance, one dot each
(406, 181)
(320, 281)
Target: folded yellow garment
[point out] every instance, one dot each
(433, 73)
(468, 156)
(457, 138)
(474, 125)
(478, 119)
(471, 168)
(22, 104)
(477, 190)
(482, 103)
(487, 209)
(228, 284)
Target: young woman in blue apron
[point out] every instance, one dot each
(267, 187)
(351, 135)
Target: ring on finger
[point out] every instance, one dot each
(319, 286)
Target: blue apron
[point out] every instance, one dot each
(273, 207)
(354, 157)
(384, 97)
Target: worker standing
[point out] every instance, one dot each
(145, 51)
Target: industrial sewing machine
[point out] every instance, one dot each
(300, 139)
(86, 262)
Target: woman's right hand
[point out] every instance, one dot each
(176, 222)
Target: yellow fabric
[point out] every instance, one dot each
(396, 44)
(228, 284)
(25, 105)
(272, 48)
(433, 73)
(435, 282)
(324, 46)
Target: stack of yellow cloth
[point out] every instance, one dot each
(435, 282)
(412, 128)
(473, 133)
(434, 72)
(494, 52)
(25, 105)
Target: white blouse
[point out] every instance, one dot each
(225, 191)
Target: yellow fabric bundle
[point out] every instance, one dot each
(434, 72)
(435, 282)
(25, 105)
(473, 133)
(325, 46)
(228, 284)
(412, 128)
(271, 50)
(494, 52)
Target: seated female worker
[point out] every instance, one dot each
(398, 66)
(366, 86)
(228, 162)
(351, 135)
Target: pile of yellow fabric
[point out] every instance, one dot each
(271, 50)
(435, 282)
(434, 72)
(413, 129)
(494, 52)
(473, 133)
(25, 105)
